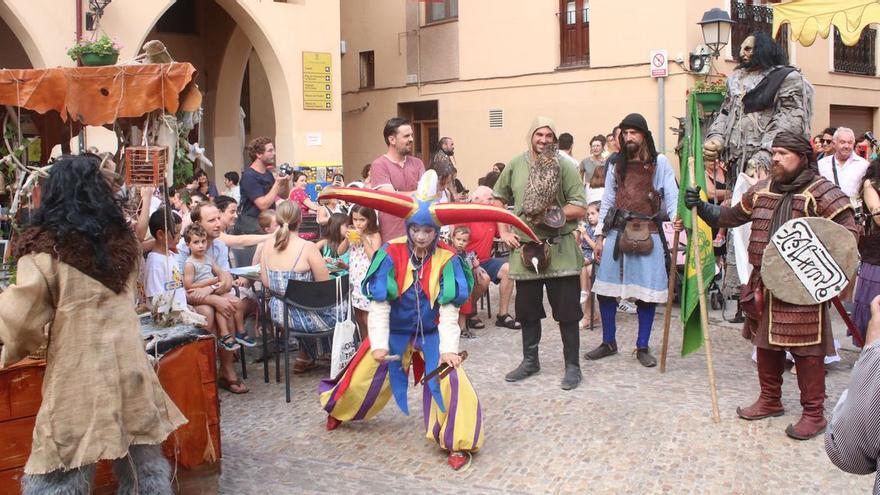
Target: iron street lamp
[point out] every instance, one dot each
(716, 29)
(96, 11)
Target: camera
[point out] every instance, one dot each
(284, 170)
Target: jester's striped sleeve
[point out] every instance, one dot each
(380, 283)
(456, 282)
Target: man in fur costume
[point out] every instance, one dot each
(550, 199)
(102, 399)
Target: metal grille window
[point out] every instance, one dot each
(858, 59)
(440, 10)
(574, 32)
(368, 69)
(749, 18)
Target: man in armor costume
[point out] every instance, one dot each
(638, 186)
(794, 190)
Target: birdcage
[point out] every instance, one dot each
(145, 165)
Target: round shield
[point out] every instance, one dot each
(809, 260)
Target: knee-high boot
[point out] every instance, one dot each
(771, 365)
(531, 337)
(811, 381)
(571, 348)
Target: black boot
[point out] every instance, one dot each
(571, 348)
(531, 337)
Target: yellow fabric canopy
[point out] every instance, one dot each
(807, 18)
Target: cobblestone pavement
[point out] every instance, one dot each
(627, 429)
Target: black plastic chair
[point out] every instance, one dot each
(307, 296)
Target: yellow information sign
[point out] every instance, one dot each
(317, 81)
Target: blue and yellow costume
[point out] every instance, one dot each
(413, 314)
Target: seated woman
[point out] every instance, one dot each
(286, 256)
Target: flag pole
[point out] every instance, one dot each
(704, 316)
(668, 315)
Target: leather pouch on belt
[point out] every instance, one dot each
(751, 298)
(636, 237)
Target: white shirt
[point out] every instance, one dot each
(850, 175)
(162, 274)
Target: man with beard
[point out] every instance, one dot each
(637, 184)
(795, 189)
(397, 170)
(521, 179)
(765, 96)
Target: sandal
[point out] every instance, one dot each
(475, 322)
(228, 343)
(235, 387)
(303, 365)
(507, 321)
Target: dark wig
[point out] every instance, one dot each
(78, 203)
(767, 53)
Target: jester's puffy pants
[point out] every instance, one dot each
(363, 389)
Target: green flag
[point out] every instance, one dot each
(701, 239)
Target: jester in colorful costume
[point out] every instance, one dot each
(415, 285)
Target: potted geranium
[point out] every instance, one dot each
(710, 93)
(95, 52)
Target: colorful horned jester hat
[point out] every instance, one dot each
(422, 208)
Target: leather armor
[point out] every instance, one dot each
(791, 324)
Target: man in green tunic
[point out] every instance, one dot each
(561, 276)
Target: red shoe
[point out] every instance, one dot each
(459, 461)
(332, 423)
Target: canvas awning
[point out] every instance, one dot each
(101, 95)
(807, 18)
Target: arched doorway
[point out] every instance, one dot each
(239, 100)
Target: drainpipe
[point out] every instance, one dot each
(81, 140)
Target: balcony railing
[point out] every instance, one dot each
(858, 59)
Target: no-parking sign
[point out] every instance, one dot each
(659, 63)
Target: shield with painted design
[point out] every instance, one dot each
(809, 260)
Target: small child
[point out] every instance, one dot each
(588, 244)
(268, 225)
(199, 272)
(363, 240)
(161, 273)
(461, 236)
(334, 244)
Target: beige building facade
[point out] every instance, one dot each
(248, 54)
(481, 74)
(476, 70)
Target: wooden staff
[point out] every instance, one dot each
(704, 315)
(668, 315)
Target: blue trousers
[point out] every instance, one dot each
(608, 311)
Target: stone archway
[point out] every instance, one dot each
(235, 37)
(23, 37)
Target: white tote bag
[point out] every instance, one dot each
(343, 335)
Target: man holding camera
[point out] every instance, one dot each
(259, 187)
